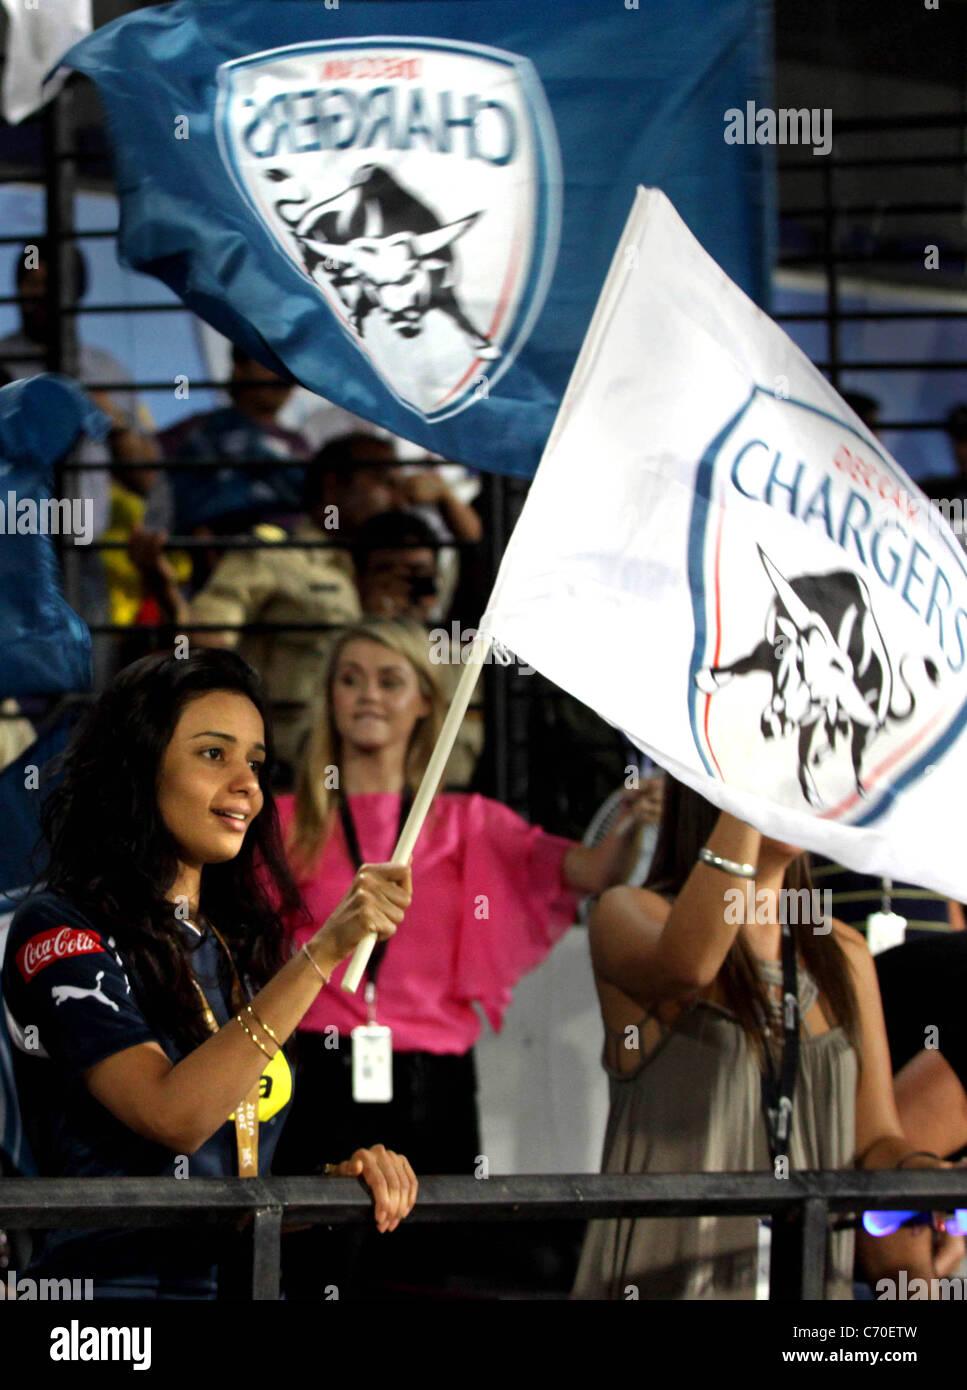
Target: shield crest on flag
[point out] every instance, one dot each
(415, 186)
(830, 661)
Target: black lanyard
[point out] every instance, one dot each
(778, 1090)
(355, 854)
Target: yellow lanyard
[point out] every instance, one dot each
(246, 1114)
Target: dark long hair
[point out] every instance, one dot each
(113, 857)
(686, 823)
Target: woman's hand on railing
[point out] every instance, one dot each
(389, 1178)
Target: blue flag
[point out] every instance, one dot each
(411, 207)
(46, 647)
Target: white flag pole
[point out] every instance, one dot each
(427, 790)
(621, 265)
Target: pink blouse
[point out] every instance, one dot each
(489, 902)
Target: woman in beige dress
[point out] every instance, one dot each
(690, 985)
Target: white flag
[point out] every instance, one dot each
(721, 560)
(38, 33)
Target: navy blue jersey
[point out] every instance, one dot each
(71, 1000)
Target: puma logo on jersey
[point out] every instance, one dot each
(61, 993)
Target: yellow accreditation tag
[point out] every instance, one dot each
(275, 1088)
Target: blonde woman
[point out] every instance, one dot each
(491, 896)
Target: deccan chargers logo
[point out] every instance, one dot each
(830, 661)
(416, 185)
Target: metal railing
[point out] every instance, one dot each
(800, 1206)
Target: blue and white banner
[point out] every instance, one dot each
(752, 589)
(411, 206)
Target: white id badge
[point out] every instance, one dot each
(372, 1062)
(763, 1247)
(883, 930)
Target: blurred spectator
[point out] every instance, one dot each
(375, 724)
(866, 407)
(396, 555)
(324, 422)
(358, 476)
(921, 984)
(224, 498)
(23, 354)
(433, 491)
(349, 481)
(144, 586)
(129, 489)
(428, 490)
(922, 987)
(320, 420)
(957, 430)
(951, 488)
(395, 558)
(349, 484)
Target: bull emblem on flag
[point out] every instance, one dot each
(830, 670)
(381, 248)
(415, 185)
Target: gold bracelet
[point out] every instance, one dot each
(257, 1041)
(308, 955)
(264, 1026)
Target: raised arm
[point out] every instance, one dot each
(181, 1106)
(654, 952)
(429, 485)
(592, 869)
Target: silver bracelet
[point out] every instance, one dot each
(309, 957)
(728, 866)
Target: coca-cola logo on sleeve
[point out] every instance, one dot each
(56, 944)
